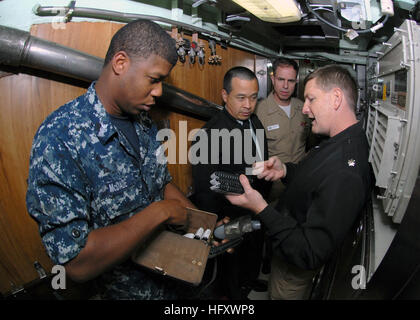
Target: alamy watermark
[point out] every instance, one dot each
(357, 12)
(59, 20)
(359, 280)
(59, 280)
(212, 146)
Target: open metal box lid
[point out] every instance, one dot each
(176, 256)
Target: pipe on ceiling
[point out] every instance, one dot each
(71, 11)
(19, 49)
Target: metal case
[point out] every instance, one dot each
(171, 254)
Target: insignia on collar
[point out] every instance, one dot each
(351, 162)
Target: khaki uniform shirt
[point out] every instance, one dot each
(286, 136)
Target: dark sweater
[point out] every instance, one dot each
(325, 194)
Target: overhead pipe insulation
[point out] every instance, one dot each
(70, 11)
(19, 49)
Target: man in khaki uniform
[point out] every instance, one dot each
(286, 127)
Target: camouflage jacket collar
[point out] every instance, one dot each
(103, 126)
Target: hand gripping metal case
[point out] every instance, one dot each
(176, 256)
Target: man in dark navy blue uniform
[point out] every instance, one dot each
(229, 150)
(326, 191)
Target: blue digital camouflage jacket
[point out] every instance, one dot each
(84, 174)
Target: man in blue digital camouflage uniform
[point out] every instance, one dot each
(96, 187)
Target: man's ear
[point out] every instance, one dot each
(120, 62)
(272, 79)
(338, 98)
(224, 95)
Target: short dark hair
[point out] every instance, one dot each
(237, 72)
(140, 39)
(331, 76)
(287, 62)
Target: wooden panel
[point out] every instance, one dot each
(27, 100)
(205, 81)
(92, 38)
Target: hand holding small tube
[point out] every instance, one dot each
(271, 170)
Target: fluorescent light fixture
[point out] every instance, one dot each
(278, 11)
